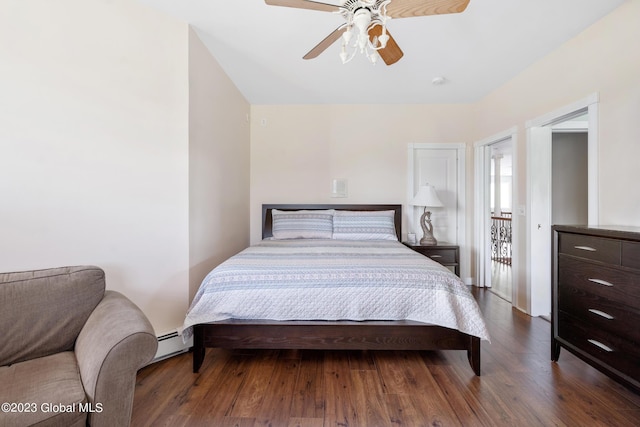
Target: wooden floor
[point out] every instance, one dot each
(501, 279)
(519, 386)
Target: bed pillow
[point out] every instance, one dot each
(364, 225)
(302, 224)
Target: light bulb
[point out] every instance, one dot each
(343, 55)
(362, 43)
(383, 39)
(346, 36)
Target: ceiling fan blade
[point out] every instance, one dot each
(305, 4)
(409, 8)
(391, 53)
(324, 44)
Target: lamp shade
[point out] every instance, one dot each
(427, 197)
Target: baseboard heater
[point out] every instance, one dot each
(170, 345)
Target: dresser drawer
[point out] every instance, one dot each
(600, 313)
(615, 285)
(631, 255)
(590, 247)
(604, 348)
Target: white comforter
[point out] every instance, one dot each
(334, 280)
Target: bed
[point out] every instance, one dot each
(331, 318)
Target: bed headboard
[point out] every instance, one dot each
(267, 219)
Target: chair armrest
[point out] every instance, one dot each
(114, 343)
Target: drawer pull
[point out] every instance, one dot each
(585, 248)
(435, 256)
(601, 313)
(602, 346)
(601, 282)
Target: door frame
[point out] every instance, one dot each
(482, 217)
(465, 252)
(590, 105)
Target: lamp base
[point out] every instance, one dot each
(428, 241)
(427, 230)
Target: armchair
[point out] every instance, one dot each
(69, 350)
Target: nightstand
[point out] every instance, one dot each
(444, 253)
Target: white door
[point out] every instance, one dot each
(539, 194)
(483, 215)
(539, 220)
(438, 167)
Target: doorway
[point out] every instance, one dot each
(495, 222)
(561, 188)
(501, 230)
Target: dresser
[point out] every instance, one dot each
(595, 307)
(444, 253)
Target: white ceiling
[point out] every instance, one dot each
(260, 47)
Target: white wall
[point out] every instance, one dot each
(297, 150)
(218, 165)
(94, 146)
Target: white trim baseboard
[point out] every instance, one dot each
(170, 345)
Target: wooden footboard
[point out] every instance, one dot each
(324, 335)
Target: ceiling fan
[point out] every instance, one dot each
(368, 20)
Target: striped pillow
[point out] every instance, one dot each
(303, 224)
(364, 225)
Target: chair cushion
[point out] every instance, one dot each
(51, 387)
(44, 310)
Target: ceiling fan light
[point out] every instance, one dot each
(383, 39)
(343, 55)
(362, 43)
(346, 36)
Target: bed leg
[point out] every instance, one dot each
(555, 350)
(198, 349)
(473, 354)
